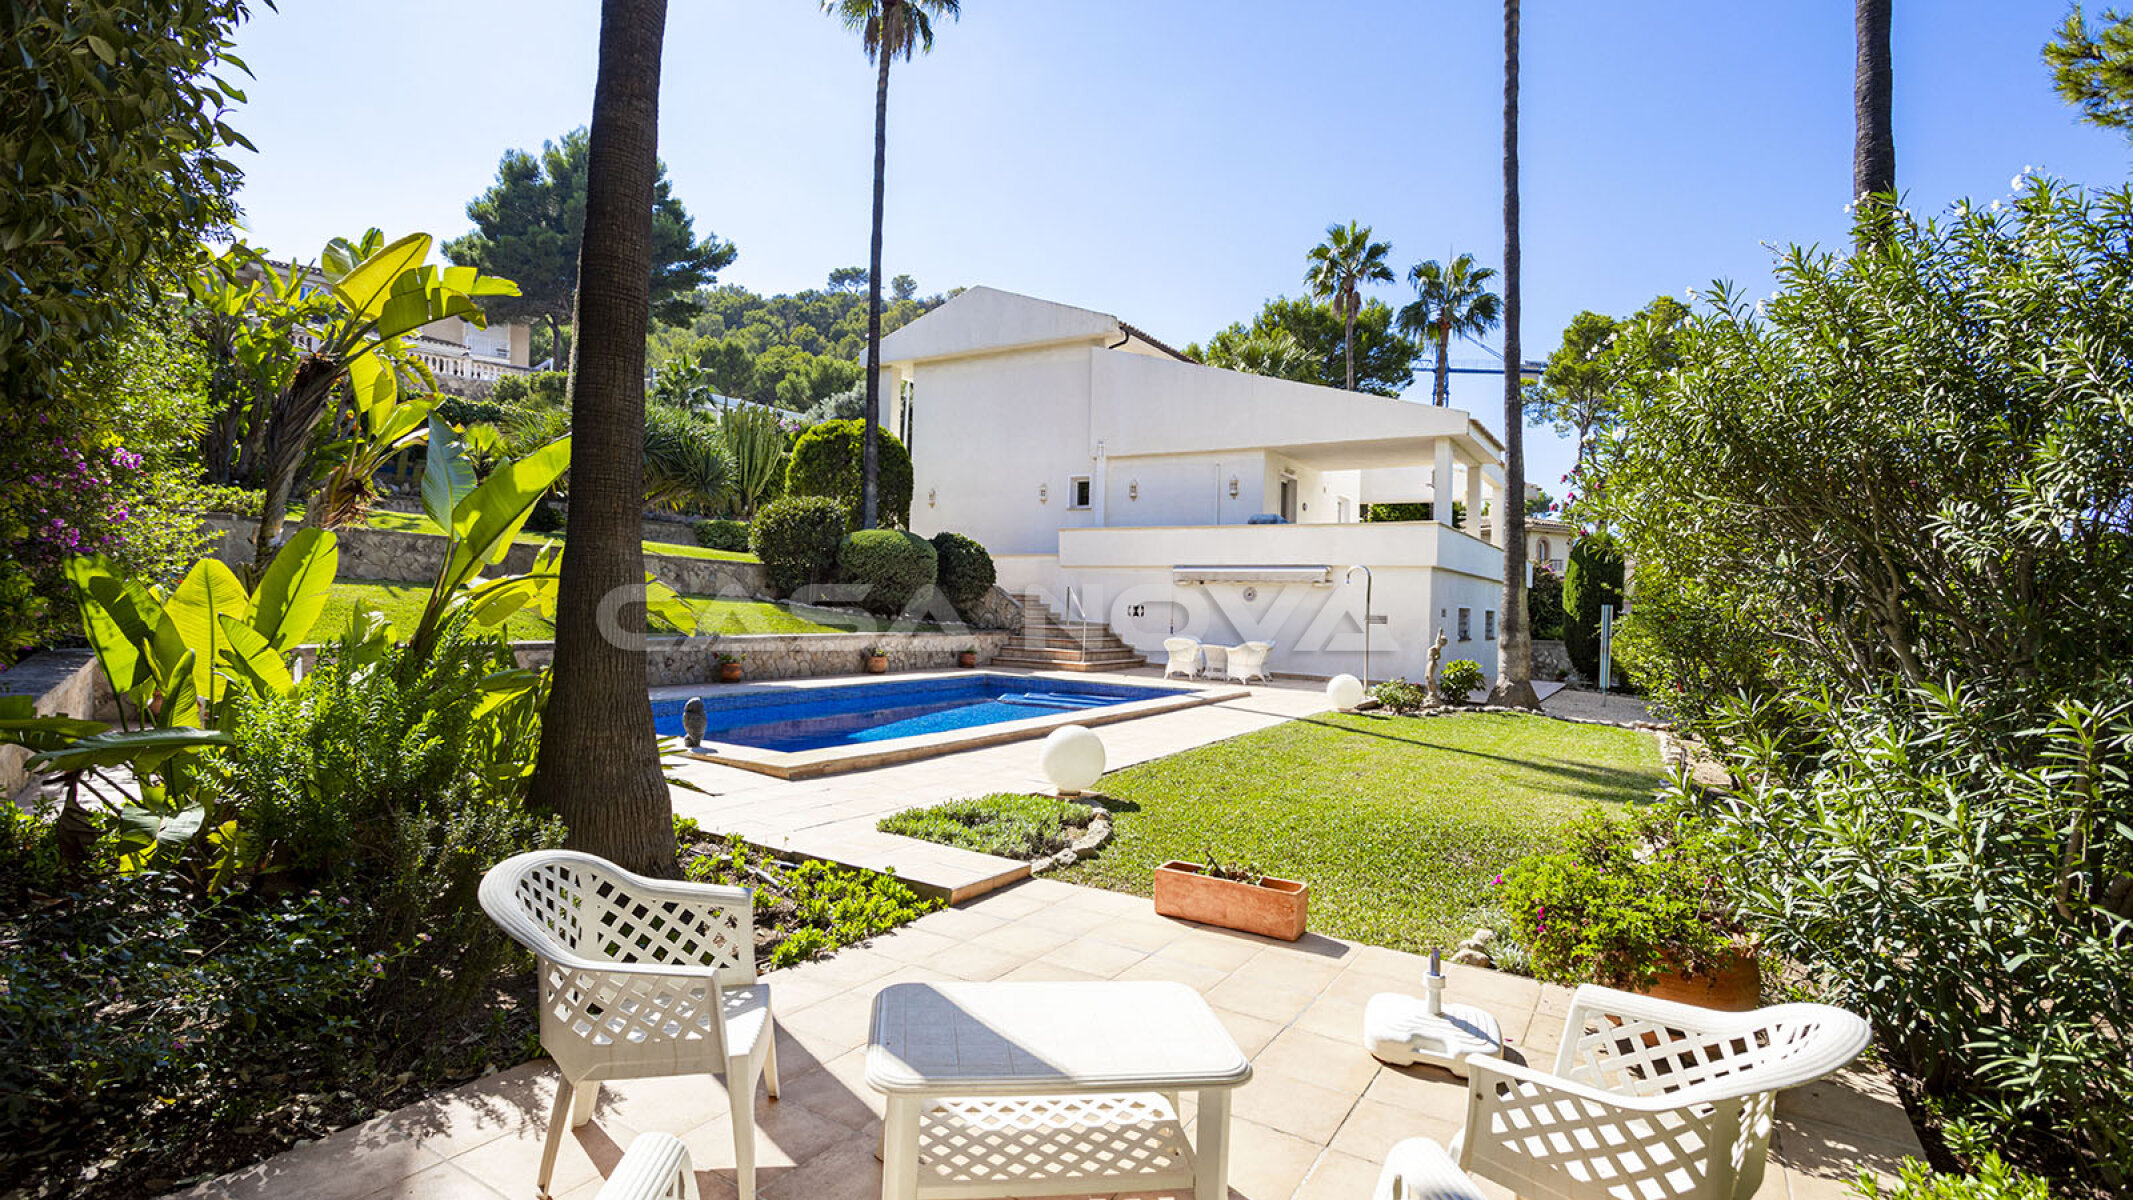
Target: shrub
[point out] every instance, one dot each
(1593, 577)
(1008, 824)
(797, 538)
(894, 567)
(812, 906)
(1459, 679)
(966, 572)
(1626, 900)
(826, 462)
(1993, 1180)
(1544, 603)
(722, 535)
(1401, 696)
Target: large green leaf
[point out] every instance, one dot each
(293, 592)
(447, 476)
(365, 289)
(142, 749)
(373, 381)
(21, 725)
(119, 653)
(209, 592)
(147, 837)
(252, 658)
(491, 515)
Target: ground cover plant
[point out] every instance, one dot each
(1009, 824)
(1397, 824)
(802, 909)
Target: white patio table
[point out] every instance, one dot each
(1046, 1089)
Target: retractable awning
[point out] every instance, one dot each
(1253, 573)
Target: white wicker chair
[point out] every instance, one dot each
(1184, 656)
(1649, 1099)
(655, 1167)
(1249, 660)
(639, 977)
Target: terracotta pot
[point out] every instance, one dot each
(1272, 907)
(878, 665)
(966, 659)
(729, 672)
(1736, 986)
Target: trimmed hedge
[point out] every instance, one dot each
(895, 567)
(1593, 578)
(797, 539)
(722, 534)
(826, 462)
(966, 572)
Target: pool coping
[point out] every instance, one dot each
(837, 760)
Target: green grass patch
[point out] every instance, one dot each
(1009, 824)
(401, 522)
(402, 604)
(1397, 823)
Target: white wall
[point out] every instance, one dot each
(985, 432)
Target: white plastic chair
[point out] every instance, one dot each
(655, 1167)
(639, 977)
(1249, 660)
(1184, 655)
(1649, 1099)
(1417, 1169)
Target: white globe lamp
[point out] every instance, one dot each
(1345, 691)
(1072, 758)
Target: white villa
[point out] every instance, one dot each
(1131, 486)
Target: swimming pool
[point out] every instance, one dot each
(852, 715)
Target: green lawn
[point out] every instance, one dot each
(402, 604)
(1397, 823)
(417, 523)
(1009, 824)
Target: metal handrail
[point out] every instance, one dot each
(1368, 581)
(1073, 606)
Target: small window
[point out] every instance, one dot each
(1488, 625)
(1078, 492)
(1466, 624)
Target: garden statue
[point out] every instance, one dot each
(693, 722)
(1429, 677)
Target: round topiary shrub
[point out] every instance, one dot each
(966, 570)
(1459, 679)
(893, 566)
(1592, 578)
(826, 462)
(722, 535)
(797, 538)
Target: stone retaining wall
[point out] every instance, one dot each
(66, 683)
(672, 661)
(1551, 661)
(400, 556)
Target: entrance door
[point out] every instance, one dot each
(1288, 500)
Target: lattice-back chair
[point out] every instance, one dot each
(655, 1167)
(639, 977)
(1248, 661)
(1182, 656)
(1649, 1099)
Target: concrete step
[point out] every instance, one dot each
(1067, 660)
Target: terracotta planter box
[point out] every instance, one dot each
(1272, 907)
(1736, 986)
(729, 673)
(966, 659)
(878, 665)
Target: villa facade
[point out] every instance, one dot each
(1131, 486)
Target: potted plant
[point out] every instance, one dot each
(877, 660)
(968, 658)
(1637, 903)
(729, 667)
(1234, 896)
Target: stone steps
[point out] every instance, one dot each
(1050, 642)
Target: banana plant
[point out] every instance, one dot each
(383, 419)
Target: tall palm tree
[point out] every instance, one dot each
(599, 767)
(1514, 652)
(1449, 302)
(1873, 99)
(888, 29)
(1339, 266)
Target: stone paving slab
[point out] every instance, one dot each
(1315, 1121)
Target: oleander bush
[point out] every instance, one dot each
(893, 567)
(797, 538)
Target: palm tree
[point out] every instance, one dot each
(1514, 652)
(1340, 265)
(888, 29)
(1873, 98)
(1449, 303)
(599, 766)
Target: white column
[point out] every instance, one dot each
(1440, 483)
(1473, 503)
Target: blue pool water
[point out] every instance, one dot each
(854, 714)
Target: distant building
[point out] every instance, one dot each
(465, 357)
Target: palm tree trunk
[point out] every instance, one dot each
(1441, 395)
(1348, 307)
(1514, 666)
(599, 766)
(870, 440)
(1873, 100)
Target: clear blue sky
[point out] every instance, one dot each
(1171, 162)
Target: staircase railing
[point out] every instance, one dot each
(1074, 606)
